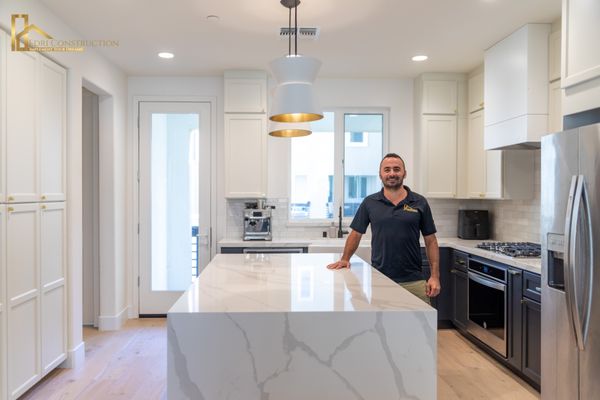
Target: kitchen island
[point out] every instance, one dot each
(282, 326)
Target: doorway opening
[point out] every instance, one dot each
(90, 207)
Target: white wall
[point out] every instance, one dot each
(104, 79)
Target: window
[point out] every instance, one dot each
(337, 166)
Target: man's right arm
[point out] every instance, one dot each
(352, 243)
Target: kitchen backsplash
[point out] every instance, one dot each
(512, 220)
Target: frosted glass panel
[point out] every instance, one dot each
(174, 200)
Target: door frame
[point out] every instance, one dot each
(134, 217)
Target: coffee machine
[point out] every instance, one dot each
(257, 221)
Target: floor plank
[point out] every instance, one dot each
(131, 364)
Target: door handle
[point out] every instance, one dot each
(569, 254)
(580, 311)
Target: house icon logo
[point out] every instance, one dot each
(20, 41)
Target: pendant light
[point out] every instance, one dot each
(294, 100)
(289, 129)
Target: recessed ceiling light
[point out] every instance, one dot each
(213, 18)
(165, 54)
(419, 58)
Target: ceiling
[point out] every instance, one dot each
(358, 38)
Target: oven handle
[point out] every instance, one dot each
(486, 282)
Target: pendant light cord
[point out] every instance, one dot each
(296, 29)
(289, 31)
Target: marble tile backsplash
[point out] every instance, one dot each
(511, 220)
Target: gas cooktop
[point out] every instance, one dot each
(513, 249)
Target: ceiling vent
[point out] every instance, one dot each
(304, 33)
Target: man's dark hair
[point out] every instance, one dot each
(392, 155)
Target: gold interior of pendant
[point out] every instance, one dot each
(290, 133)
(296, 117)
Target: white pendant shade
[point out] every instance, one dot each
(294, 100)
(289, 129)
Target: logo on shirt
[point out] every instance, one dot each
(409, 208)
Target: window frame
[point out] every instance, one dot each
(338, 170)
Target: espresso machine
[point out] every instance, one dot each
(257, 221)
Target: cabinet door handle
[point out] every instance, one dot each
(10, 209)
(43, 197)
(538, 289)
(10, 198)
(514, 273)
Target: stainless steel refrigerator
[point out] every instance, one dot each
(570, 229)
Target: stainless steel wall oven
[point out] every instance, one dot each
(488, 303)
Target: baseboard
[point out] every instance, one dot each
(75, 357)
(113, 323)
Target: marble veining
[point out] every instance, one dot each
(358, 336)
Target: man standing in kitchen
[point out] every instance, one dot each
(397, 216)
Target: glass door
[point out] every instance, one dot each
(174, 197)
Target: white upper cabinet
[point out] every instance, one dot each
(245, 134)
(34, 154)
(476, 157)
(440, 97)
(495, 174)
(516, 89)
(245, 92)
(52, 90)
(555, 121)
(580, 72)
(476, 93)
(21, 149)
(554, 56)
(245, 155)
(441, 134)
(439, 142)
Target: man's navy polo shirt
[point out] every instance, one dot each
(395, 248)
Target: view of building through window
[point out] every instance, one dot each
(316, 191)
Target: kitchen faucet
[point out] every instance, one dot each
(340, 233)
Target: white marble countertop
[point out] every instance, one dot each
(292, 283)
(468, 246)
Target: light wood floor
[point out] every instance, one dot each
(131, 364)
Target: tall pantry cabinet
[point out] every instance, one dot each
(32, 218)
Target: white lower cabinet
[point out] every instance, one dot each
(2, 302)
(439, 149)
(36, 295)
(53, 293)
(23, 297)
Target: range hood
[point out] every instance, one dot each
(516, 89)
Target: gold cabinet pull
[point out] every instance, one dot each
(43, 207)
(10, 209)
(43, 197)
(10, 198)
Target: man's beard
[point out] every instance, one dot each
(397, 184)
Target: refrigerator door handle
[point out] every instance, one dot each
(569, 263)
(588, 262)
(580, 311)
